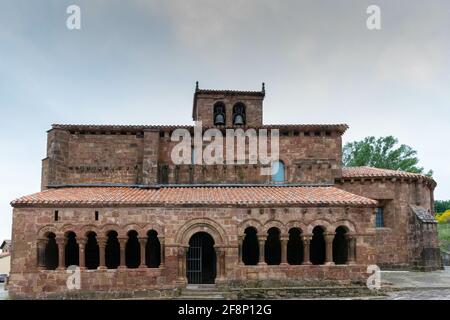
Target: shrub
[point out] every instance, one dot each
(443, 217)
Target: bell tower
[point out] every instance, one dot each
(228, 108)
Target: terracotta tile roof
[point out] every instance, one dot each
(369, 172)
(138, 128)
(231, 92)
(198, 196)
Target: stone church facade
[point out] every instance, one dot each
(114, 204)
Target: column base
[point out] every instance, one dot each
(284, 264)
(143, 267)
(121, 268)
(102, 268)
(352, 263)
(307, 263)
(61, 269)
(329, 263)
(262, 264)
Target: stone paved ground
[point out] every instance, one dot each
(421, 294)
(406, 279)
(402, 285)
(417, 285)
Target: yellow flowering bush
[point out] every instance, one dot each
(443, 217)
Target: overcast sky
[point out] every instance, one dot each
(136, 62)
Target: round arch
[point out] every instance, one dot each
(349, 226)
(207, 225)
(250, 223)
(46, 230)
(274, 224)
(325, 224)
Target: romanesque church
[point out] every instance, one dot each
(114, 204)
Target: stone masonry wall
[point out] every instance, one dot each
(175, 226)
(397, 240)
(141, 157)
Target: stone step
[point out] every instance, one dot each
(200, 297)
(201, 288)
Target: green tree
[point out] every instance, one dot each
(382, 153)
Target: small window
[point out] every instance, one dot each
(56, 215)
(306, 133)
(379, 219)
(161, 134)
(328, 133)
(278, 171)
(317, 133)
(96, 215)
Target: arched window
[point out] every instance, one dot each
(340, 246)
(219, 114)
(51, 252)
(272, 249)
(152, 250)
(91, 251)
(317, 252)
(239, 114)
(132, 250)
(72, 252)
(250, 247)
(278, 171)
(112, 251)
(295, 247)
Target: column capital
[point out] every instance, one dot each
(142, 240)
(262, 237)
(284, 238)
(102, 242)
(329, 236)
(41, 241)
(307, 237)
(60, 241)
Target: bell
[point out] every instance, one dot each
(219, 120)
(238, 120)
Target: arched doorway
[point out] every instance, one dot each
(201, 259)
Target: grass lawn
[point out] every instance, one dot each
(444, 235)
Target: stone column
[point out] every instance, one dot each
(351, 240)
(220, 263)
(41, 244)
(162, 242)
(240, 242)
(181, 263)
(143, 243)
(284, 242)
(81, 250)
(306, 249)
(123, 243)
(101, 246)
(329, 248)
(262, 241)
(61, 253)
